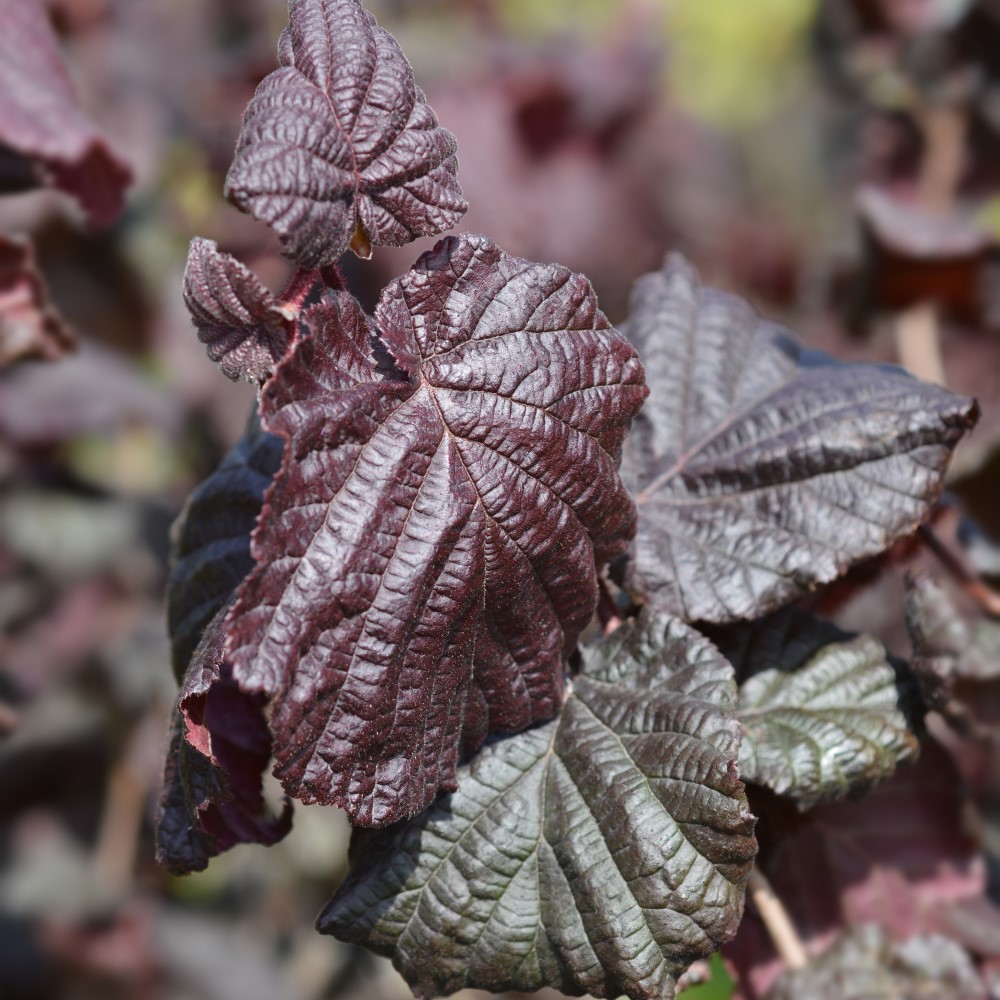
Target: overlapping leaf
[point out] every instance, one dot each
(238, 319)
(824, 714)
(339, 146)
(600, 853)
(44, 137)
(211, 543)
(762, 469)
(437, 514)
(219, 747)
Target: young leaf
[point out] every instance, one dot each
(431, 519)
(219, 746)
(237, 318)
(601, 853)
(762, 469)
(338, 146)
(821, 710)
(211, 540)
(865, 964)
(43, 133)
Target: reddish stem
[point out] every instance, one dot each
(297, 289)
(987, 598)
(333, 277)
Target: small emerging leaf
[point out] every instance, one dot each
(762, 469)
(821, 710)
(238, 319)
(426, 559)
(339, 147)
(601, 853)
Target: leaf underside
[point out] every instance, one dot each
(340, 141)
(426, 558)
(822, 711)
(600, 853)
(44, 137)
(761, 469)
(237, 318)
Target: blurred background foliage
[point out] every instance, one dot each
(596, 133)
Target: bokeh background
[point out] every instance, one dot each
(778, 143)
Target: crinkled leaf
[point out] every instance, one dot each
(338, 146)
(29, 326)
(601, 853)
(42, 130)
(211, 539)
(238, 319)
(821, 710)
(426, 558)
(219, 748)
(762, 469)
(865, 964)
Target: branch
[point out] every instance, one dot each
(983, 595)
(779, 926)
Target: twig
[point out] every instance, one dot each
(985, 596)
(786, 939)
(121, 823)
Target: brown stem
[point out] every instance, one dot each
(985, 596)
(779, 926)
(333, 277)
(121, 823)
(295, 292)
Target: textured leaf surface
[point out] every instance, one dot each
(600, 853)
(426, 559)
(42, 130)
(237, 318)
(29, 325)
(211, 540)
(340, 141)
(219, 747)
(865, 964)
(822, 711)
(762, 469)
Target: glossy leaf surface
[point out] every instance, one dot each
(426, 559)
(600, 853)
(338, 146)
(237, 318)
(820, 709)
(762, 469)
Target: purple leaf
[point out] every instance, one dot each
(41, 125)
(763, 469)
(339, 147)
(219, 747)
(238, 319)
(426, 557)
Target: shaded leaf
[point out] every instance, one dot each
(865, 964)
(601, 853)
(821, 710)
(41, 124)
(238, 319)
(219, 747)
(29, 325)
(211, 539)
(338, 146)
(439, 514)
(762, 469)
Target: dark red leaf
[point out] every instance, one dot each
(29, 326)
(219, 747)
(41, 122)
(426, 558)
(242, 324)
(339, 147)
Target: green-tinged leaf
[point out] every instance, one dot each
(824, 714)
(211, 539)
(866, 965)
(600, 853)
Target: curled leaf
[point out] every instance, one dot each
(237, 318)
(338, 146)
(427, 557)
(762, 469)
(600, 853)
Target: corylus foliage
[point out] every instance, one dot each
(427, 557)
(339, 147)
